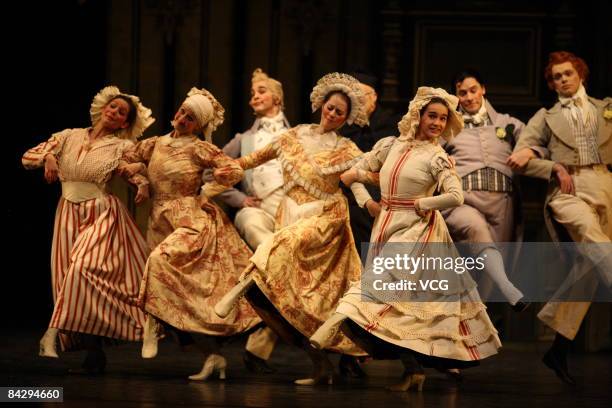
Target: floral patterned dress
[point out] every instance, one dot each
(311, 260)
(197, 254)
(98, 254)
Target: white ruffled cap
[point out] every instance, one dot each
(143, 119)
(337, 81)
(208, 111)
(410, 122)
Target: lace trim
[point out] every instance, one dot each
(340, 143)
(109, 167)
(297, 179)
(340, 167)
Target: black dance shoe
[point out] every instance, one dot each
(520, 306)
(349, 367)
(558, 363)
(94, 364)
(256, 365)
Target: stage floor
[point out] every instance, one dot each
(515, 379)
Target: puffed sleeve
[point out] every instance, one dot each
(449, 184)
(209, 155)
(141, 152)
(35, 157)
(373, 160)
(230, 196)
(369, 165)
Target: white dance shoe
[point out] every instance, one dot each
(213, 363)
(150, 337)
(226, 304)
(47, 343)
(324, 334)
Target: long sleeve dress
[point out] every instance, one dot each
(196, 253)
(98, 255)
(310, 261)
(451, 325)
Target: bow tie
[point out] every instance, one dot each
(574, 100)
(474, 120)
(576, 108)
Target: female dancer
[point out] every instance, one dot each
(98, 254)
(197, 255)
(297, 275)
(451, 329)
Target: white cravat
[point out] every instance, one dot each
(273, 124)
(578, 105)
(480, 118)
(268, 130)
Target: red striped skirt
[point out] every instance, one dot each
(97, 262)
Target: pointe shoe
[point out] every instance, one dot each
(409, 381)
(214, 362)
(47, 344)
(226, 304)
(349, 367)
(324, 334)
(150, 338)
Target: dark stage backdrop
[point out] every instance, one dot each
(52, 73)
(159, 49)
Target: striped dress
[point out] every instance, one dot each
(98, 254)
(451, 324)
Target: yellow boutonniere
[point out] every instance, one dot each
(607, 113)
(500, 132)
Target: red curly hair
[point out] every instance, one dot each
(559, 57)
